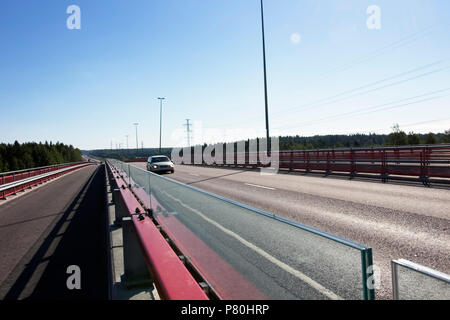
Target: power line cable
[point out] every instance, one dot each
(320, 102)
(370, 109)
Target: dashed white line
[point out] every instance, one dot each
(258, 186)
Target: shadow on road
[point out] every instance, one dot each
(78, 238)
(218, 177)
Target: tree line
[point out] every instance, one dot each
(396, 138)
(18, 156)
(128, 154)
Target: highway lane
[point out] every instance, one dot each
(246, 255)
(264, 251)
(45, 230)
(397, 221)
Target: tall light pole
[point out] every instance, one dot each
(160, 121)
(127, 140)
(137, 145)
(188, 131)
(265, 78)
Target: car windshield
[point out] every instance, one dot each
(160, 159)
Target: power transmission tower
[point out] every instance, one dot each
(188, 131)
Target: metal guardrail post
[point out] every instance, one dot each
(394, 280)
(120, 208)
(291, 160)
(135, 268)
(328, 165)
(308, 169)
(129, 176)
(424, 166)
(114, 195)
(352, 164)
(14, 189)
(405, 289)
(368, 275)
(384, 173)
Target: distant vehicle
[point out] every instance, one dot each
(160, 164)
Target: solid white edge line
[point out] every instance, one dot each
(317, 286)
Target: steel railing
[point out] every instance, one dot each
(412, 281)
(143, 242)
(202, 258)
(408, 163)
(11, 176)
(16, 181)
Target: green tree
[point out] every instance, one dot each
(446, 137)
(18, 156)
(397, 137)
(413, 138)
(430, 138)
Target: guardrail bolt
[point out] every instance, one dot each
(205, 287)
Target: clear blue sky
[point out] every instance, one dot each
(328, 73)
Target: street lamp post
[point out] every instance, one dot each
(137, 146)
(160, 121)
(265, 78)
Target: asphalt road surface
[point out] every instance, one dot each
(46, 230)
(397, 220)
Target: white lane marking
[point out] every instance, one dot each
(194, 174)
(317, 286)
(258, 186)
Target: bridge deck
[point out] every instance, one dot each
(396, 220)
(45, 230)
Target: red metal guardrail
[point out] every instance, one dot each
(419, 162)
(225, 282)
(137, 160)
(171, 278)
(11, 176)
(17, 176)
